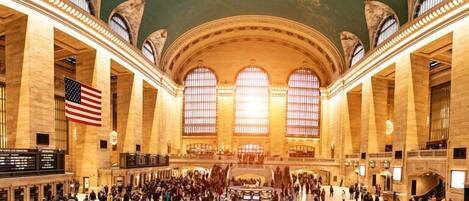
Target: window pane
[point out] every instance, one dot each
(388, 28)
(83, 4)
(61, 124)
(252, 102)
(118, 25)
(358, 53)
(200, 102)
(148, 52)
(439, 115)
(3, 117)
(425, 5)
(303, 104)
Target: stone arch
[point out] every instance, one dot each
(349, 42)
(375, 13)
(132, 11)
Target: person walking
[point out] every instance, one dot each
(331, 191)
(323, 195)
(343, 195)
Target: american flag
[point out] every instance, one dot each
(82, 103)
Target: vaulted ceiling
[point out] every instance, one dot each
(330, 17)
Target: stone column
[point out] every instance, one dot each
(352, 141)
(225, 110)
(411, 101)
(277, 118)
(29, 81)
(129, 112)
(150, 130)
(93, 69)
(459, 107)
(374, 114)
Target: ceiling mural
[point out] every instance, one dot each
(330, 17)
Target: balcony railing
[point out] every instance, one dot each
(380, 155)
(437, 153)
(352, 156)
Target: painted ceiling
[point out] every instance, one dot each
(330, 17)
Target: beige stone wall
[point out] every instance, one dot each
(459, 110)
(29, 81)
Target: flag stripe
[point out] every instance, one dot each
(90, 88)
(83, 122)
(71, 112)
(86, 103)
(91, 100)
(84, 106)
(83, 119)
(91, 93)
(88, 96)
(83, 114)
(93, 106)
(83, 109)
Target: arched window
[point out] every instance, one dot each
(200, 102)
(303, 104)
(357, 54)
(387, 28)
(252, 102)
(119, 25)
(425, 5)
(148, 51)
(85, 5)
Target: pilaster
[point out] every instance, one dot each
(29, 81)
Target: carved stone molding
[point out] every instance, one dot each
(249, 25)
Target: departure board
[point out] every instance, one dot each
(47, 160)
(17, 160)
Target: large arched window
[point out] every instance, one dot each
(357, 54)
(200, 102)
(148, 51)
(303, 104)
(85, 5)
(387, 28)
(425, 5)
(252, 102)
(119, 25)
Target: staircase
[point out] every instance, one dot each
(438, 191)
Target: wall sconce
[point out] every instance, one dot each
(372, 164)
(113, 138)
(389, 127)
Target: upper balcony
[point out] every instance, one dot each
(428, 154)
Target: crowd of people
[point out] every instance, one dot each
(193, 186)
(251, 158)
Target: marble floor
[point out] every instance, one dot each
(336, 197)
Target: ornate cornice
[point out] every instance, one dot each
(218, 29)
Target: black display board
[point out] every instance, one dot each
(22, 162)
(133, 160)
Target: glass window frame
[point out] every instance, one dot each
(266, 85)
